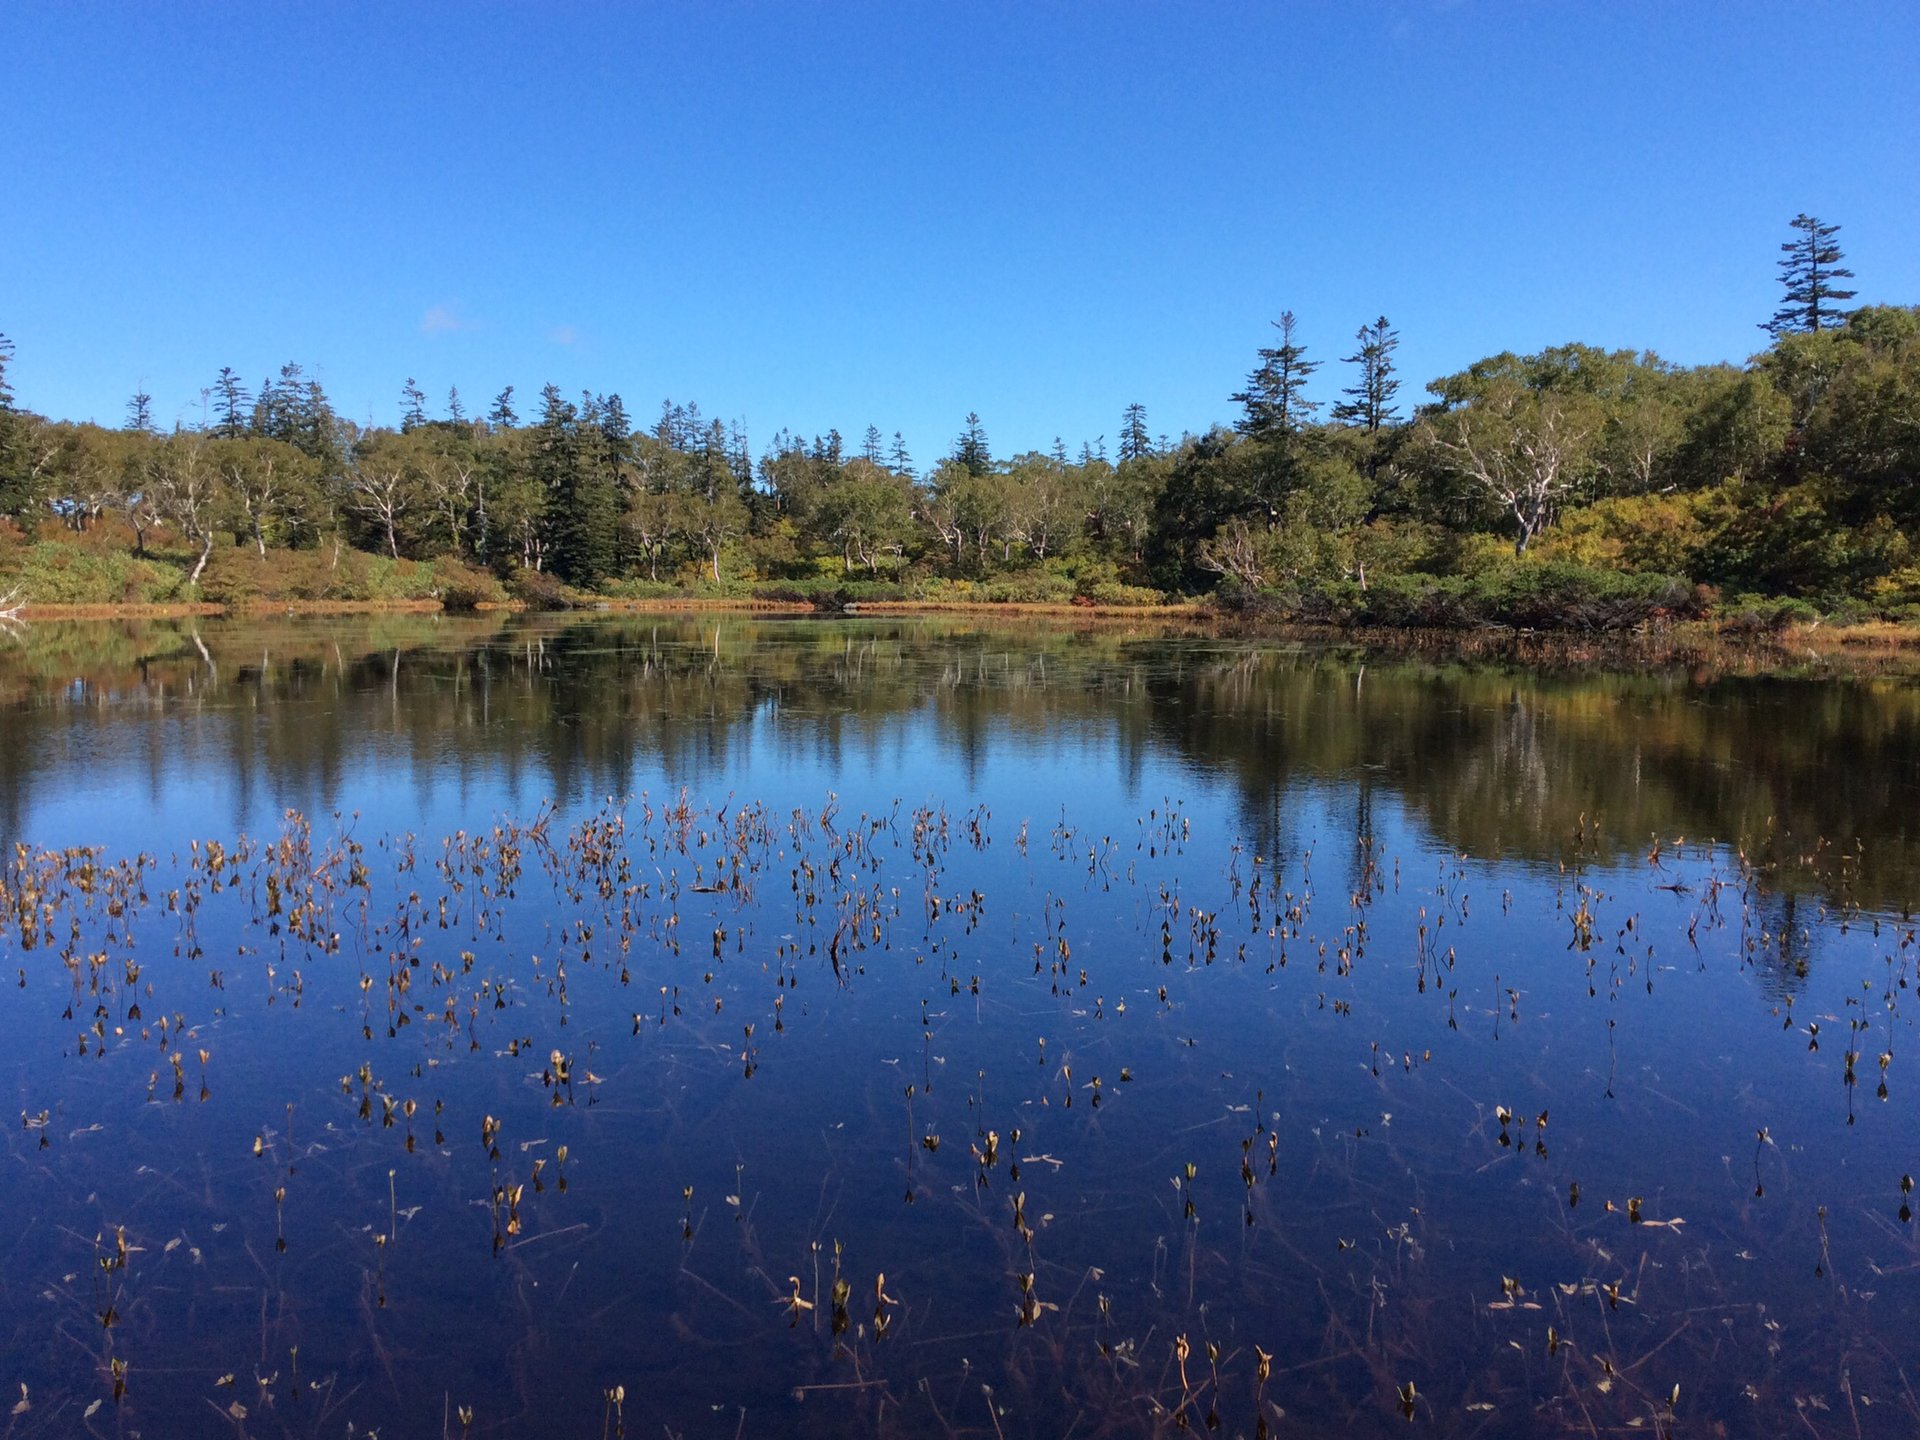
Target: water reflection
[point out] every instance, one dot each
(117, 731)
(1085, 1095)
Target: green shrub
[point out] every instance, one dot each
(1762, 614)
(1549, 596)
(54, 572)
(1114, 592)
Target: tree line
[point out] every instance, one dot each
(1792, 474)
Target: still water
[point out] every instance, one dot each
(713, 1027)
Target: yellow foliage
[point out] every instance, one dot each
(1646, 534)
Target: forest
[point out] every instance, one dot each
(1576, 486)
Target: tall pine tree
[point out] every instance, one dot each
(413, 406)
(1135, 442)
(1274, 404)
(14, 496)
(1809, 266)
(970, 450)
(1369, 402)
(581, 515)
(234, 403)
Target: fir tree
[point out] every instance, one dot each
(898, 460)
(970, 449)
(502, 416)
(1275, 402)
(16, 491)
(140, 412)
(581, 514)
(1809, 266)
(1135, 442)
(870, 445)
(413, 406)
(234, 403)
(1369, 402)
(456, 412)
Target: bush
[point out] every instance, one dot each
(1114, 592)
(1553, 596)
(55, 572)
(538, 590)
(465, 587)
(1763, 615)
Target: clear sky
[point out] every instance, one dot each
(814, 215)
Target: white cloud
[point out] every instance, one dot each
(444, 320)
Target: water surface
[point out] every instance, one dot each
(1104, 1010)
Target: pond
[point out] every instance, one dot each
(726, 1026)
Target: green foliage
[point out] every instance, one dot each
(1523, 595)
(1795, 475)
(58, 572)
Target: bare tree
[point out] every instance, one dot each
(452, 479)
(378, 489)
(1523, 450)
(260, 475)
(651, 521)
(187, 493)
(1234, 550)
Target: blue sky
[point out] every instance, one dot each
(813, 215)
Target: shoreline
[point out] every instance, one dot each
(1675, 643)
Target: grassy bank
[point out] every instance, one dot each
(107, 573)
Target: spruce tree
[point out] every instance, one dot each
(1809, 266)
(870, 445)
(235, 404)
(17, 495)
(970, 449)
(1369, 402)
(898, 459)
(502, 416)
(581, 513)
(1135, 442)
(456, 412)
(140, 411)
(1274, 402)
(413, 406)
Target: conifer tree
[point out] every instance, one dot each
(1809, 266)
(235, 403)
(970, 449)
(14, 491)
(898, 459)
(1135, 442)
(140, 411)
(1369, 402)
(502, 416)
(1275, 402)
(456, 412)
(413, 406)
(581, 513)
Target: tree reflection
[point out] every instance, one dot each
(1816, 779)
